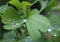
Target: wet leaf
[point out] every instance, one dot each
(35, 23)
(11, 19)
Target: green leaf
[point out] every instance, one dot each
(22, 40)
(15, 3)
(55, 21)
(34, 11)
(34, 33)
(18, 4)
(35, 23)
(51, 4)
(10, 40)
(3, 8)
(11, 18)
(43, 4)
(11, 35)
(25, 4)
(10, 27)
(57, 7)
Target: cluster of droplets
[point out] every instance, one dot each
(28, 39)
(25, 20)
(50, 29)
(15, 24)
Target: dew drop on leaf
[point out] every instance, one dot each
(25, 20)
(49, 30)
(15, 24)
(9, 20)
(28, 39)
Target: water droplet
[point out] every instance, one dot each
(29, 37)
(49, 30)
(25, 20)
(15, 24)
(9, 20)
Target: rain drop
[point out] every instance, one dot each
(49, 30)
(17, 24)
(29, 37)
(9, 20)
(25, 20)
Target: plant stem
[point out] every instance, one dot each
(33, 3)
(17, 37)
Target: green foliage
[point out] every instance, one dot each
(3, 8)
(26, 25)
(35, 23)
(51, 4)
(11, 19)
(43, 4)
